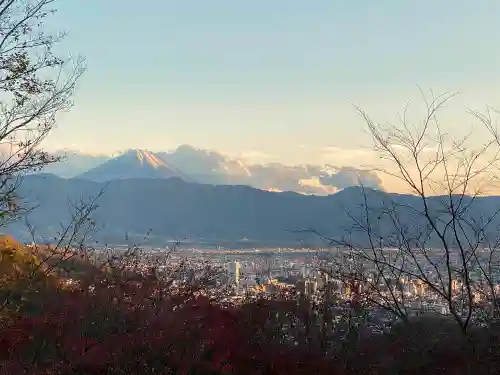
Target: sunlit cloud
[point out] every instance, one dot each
(274, 190)
(315, 186)
(348, 176)
(255, 156)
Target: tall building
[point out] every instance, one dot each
(234, 272)
(304, 270)
(322, 279)
(310, 287)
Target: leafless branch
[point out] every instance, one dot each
(440, 235)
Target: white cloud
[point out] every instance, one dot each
(348, 176)
(255, 156)
(315, 186)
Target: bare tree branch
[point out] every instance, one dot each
(437, 237)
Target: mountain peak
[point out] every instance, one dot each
(186, 147)
(145, 157)
(216, 168)
(134, 163)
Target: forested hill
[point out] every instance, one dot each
(172, 209)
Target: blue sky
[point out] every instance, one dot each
(271, 78)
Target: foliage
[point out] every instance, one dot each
(118, 322)
(126, 328)
(21, 276)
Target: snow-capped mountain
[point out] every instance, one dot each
(212, 167)
(133, 164)
(208, 166)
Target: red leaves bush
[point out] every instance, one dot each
(125, 330)
(130, 329)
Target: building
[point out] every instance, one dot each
(304, 270)
(310, 287)
(234, 269)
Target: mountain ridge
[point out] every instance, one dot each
(212, 167)
(173, 209)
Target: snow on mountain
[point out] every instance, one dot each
(133, 164)
(212, 167)
(207, 166)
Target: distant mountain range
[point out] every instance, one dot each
(173, 209)
(211, 167)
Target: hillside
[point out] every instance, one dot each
(22, 277)
(14, 259)
(172, 209)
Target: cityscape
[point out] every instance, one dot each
(319, 276)
(249, 188)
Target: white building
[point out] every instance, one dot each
(310, 287)
(304, 270)
(234, 269)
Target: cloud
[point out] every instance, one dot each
(259, 172)
(329, 181)
(255, 156)
(315, 186)
(311, 179)
(349, 176)
(202, 163)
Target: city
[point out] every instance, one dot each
(325, 277)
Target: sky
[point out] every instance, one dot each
(270, 80)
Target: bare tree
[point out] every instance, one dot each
(436, 246)
(36, 84)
